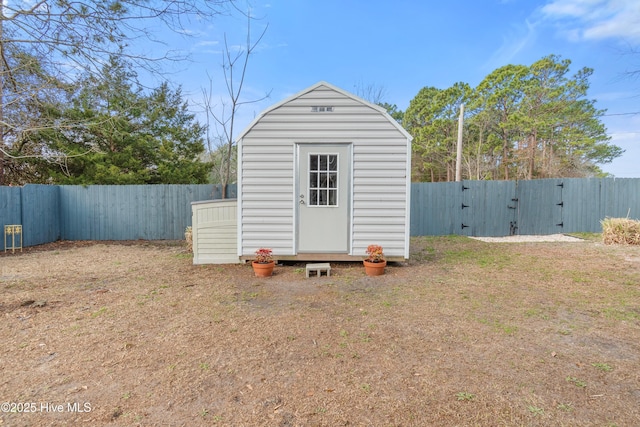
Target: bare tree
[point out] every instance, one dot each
(45, 44)
(371, 92)
(234, 67)
(634, 53)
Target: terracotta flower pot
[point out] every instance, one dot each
(374, 268)
(264, 269)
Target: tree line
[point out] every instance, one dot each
(72, 110)
(109, 130)
(520, 122)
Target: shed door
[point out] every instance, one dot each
(323, 198)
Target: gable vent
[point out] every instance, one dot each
(321, 109)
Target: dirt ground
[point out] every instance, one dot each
(467, 333)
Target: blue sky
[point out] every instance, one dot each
(403, 46)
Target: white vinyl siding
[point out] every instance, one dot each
(214, 225)
(267, 196)
(379, 176)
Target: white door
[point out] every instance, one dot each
(323, 198)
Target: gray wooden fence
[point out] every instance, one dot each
(128, 212)
(473, 208)
(502, 208)
(36, 208)
(102, 212)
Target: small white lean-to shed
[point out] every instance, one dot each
(214, 231)
(322, 175)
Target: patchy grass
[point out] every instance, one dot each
(465, 333)
(464, 395)
(604, 367)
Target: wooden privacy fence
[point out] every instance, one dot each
(503, 208)
(40, 218)
(102, 212)
(474, 208)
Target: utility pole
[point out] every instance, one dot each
(459, 146)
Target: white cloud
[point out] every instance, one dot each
(190, 33)
(614, 96)
(569, 8)
(519, 39)
(595, 19)
(208, 43)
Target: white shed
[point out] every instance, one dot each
(214, 232)
(322, 175)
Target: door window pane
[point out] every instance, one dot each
(333, 163)
(323, 180)
(323, 162)
(323, 198)
(333, 180)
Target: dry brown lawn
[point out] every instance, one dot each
(467, 333)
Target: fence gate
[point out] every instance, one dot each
(504, 208)
(487, 210)
(540, 206)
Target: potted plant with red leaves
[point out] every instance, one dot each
(375, 263)
(264, 263)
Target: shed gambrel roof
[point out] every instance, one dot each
(336, 89)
